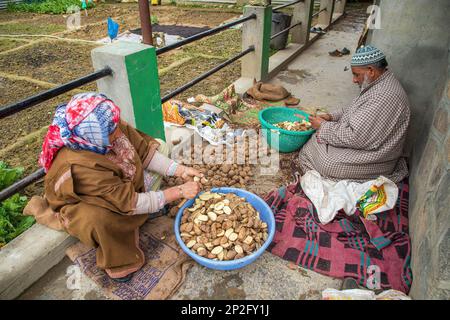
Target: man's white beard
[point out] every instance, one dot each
(366, 82)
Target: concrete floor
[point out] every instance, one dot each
(319, 80)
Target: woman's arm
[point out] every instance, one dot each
(152, 201)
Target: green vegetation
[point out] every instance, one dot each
(153, 19)
(12, 221)
(225, 7)
(47, 6)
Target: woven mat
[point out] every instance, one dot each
(162, 274)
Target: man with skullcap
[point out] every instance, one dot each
(365, 139)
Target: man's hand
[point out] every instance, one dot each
(325, 116)
(316, 122)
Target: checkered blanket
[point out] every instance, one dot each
(376, 253)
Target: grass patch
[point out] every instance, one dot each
(28, 28)
(225, 44)
(47, 6)
(194, 5)
(6, 44)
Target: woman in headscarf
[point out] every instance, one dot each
(102, 180)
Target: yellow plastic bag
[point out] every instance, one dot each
(171, 112)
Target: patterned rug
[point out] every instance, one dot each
(376, 253)
(162, 274)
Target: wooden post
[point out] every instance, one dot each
(146, 25)
(302, 13)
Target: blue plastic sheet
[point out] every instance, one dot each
(113, 28)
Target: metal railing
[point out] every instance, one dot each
(318, 12)
(204, 34)
(21, 184)
(287, 5)
(290, 27)
(284, 31)
(206, 75)
(54, 92)
(49, 94)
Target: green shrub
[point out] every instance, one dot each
(12, 221)
(47, 6)
(153, 19)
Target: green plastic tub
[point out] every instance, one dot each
(288, 141)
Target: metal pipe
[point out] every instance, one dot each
(204, 34)
(146, 25)
(285, 30)
(21, 184)
(317, 13)
(206, 74)
(51, 93)
(287, 5)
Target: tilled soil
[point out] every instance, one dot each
(224, 44)
(211, 86)
(166, 59)
(26, 121)
(51, 61)
(174, 30)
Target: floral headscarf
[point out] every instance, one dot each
(85, 123)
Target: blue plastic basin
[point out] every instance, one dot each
(265, 214)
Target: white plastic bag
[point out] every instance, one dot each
(329, 196)
(351, 294)
(360, 294)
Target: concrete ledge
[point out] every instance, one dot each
(242, 84)
(28, 257)
(280, 60)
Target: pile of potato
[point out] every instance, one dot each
(238, 174)
(222, 227)
(226, 175)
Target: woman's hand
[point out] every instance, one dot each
(190, 189)
(187, 190)
(186, 172)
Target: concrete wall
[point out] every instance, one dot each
(414, 35)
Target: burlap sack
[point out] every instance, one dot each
(266, 91)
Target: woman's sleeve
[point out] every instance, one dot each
(162, 165)
(104, 188)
